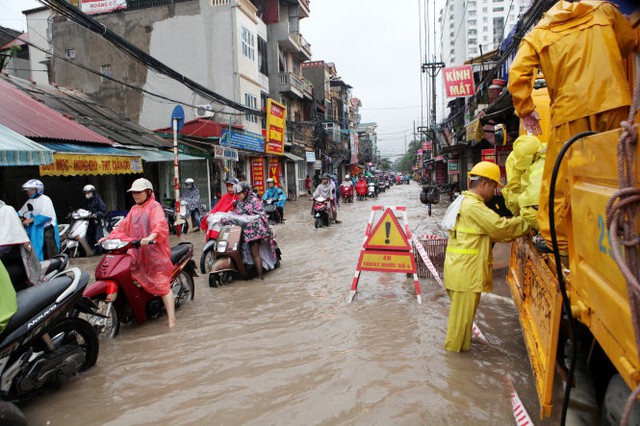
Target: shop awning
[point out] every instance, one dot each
(16, 150)
(78, 160)
(158, 156)
(293, 157)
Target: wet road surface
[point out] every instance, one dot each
(289, 350)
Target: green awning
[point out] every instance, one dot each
(17, 150)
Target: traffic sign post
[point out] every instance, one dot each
(386, 248)
(177, 120)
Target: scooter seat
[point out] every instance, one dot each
(178, 252)
(34, 299)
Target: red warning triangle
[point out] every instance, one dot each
(387, 234)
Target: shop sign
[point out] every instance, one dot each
(427, 146)
(257, 174)
(458, 81)
(275, 171)
(317, 165)
(452, 166)
(354, 141)
(82, 165)
(276, 125)
(419, 152)
(225, 153)
(242, 139)
(92, 7)
(311, 156)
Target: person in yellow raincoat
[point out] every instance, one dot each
(468, 265)
(524, 174)
(580, 48)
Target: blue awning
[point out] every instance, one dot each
(17, 150)
(80, 148)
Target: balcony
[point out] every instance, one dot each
(293, 42)
(303, 7)
(288, 82)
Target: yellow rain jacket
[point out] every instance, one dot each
(579, 47)
(468, 265)
(525, 152)
(531, 180)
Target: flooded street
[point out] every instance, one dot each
(290, 350)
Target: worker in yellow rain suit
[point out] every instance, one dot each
(468, 265)
(524, 174)
(579, 47)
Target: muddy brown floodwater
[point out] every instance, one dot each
(291, 351)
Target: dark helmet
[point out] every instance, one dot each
(326, 176)
(242, 187)
(232, 181)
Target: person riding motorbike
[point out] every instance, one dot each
(273, 191)
(347, 183)
(258, 229)
(40, 220)
(224, 204)
(327, 190)
(93, 203)
(151, 265)
(191, 196)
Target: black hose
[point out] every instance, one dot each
(561, 283)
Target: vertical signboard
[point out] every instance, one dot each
(354, 147)
(276, 125)
(257, 174)
(458, 81)
(274, 169)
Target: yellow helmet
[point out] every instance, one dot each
(487, 169)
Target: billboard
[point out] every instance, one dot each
(276, 125)
(458, 81)
(93, 7)
(257, 174)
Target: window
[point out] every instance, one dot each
(498, 9)
(248, 44)
(251, 102)
(262, 56)
(105, 70)
(70, 53)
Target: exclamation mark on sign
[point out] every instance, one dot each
(387, 227)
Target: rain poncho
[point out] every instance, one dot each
(468, 265)
(529, 199)
(8, 304)
(224, 205)
(151, 265)
(43, 215)
(324, 190)
(191, 196)
(275, 193)
(525, 151)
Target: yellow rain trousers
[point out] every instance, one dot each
(580, 49)
(468, 265)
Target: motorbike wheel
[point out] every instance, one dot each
(184, 227)
(106, 328)
(318, 222)
(206, 261)
(76, 331)
(10, 415)
(214, 280)
(183, 288)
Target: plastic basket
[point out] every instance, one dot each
(435, 247)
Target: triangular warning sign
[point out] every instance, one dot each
(387, 234)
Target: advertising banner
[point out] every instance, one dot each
(242, 139)
(458, 81)
(82, 164)
(92, 7)
(354, 147)
(276, 126)
(275, 171)
(257, 174)
(427, 146)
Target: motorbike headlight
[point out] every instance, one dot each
(113, 244)
(222, 247)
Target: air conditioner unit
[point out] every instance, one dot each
(204, 111)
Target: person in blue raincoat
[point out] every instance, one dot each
(39, 218)
(273, 191)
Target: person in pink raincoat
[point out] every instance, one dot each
(151, 265)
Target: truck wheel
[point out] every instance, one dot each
(614, 401)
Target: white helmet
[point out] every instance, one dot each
(140, 185)
(34, 184)
(270, 180)
(89, 188)
(347, 177)
(189, 180)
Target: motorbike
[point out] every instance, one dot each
(269, 206)
(233, 259)
(361, 190)
(41, 272)
(371, 190)
(73, 239)
(178, 220)
(347, 193)
(42, 344)
(119, 299)
(321, 211)
(387, 184)
(380, 186)
(207, 259)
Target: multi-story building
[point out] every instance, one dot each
(467, 26)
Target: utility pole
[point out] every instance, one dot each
(432, 69)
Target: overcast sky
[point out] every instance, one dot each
(374, 44)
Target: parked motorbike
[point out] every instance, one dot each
(321, 211)
(347, 193)
(269, 206)
(176, 221)
(15, 262)
(73, 239)
(233, 259)
(119, 299)
(41, 344)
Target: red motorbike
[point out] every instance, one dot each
(347, 193)
(120, 299)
